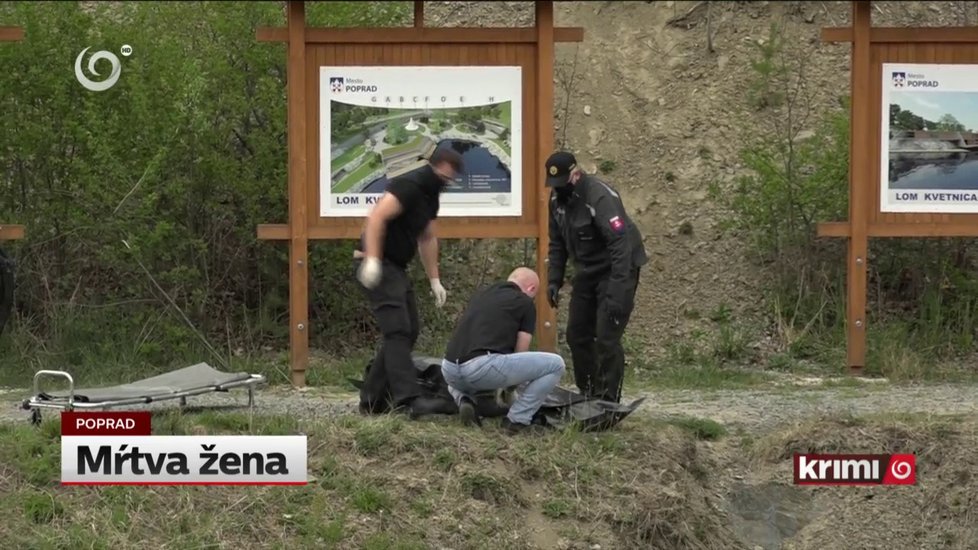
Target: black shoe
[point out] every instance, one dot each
(467, 413)
(540, 420)
(514, 428)
(369, 409)
(487, 407)
(421, 406)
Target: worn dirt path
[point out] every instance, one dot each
(750, 409)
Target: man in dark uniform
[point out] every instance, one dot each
(589, 225)
(401, 224)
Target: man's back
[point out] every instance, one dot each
(491, 321)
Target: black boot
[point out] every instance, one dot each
(421, 406)
(368, 408)
(513, 428)
(468, 414)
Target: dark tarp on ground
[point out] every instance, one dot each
(6, 288)
(562, 407)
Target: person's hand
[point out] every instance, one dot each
(440, 294)
(369, 272)
(553, 294)
(615, 312)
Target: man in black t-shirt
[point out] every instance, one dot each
(399, 226)
(490, 350)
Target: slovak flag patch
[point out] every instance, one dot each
(617, 226)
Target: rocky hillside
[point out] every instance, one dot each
(657, 91)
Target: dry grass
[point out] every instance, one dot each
(386, 483)
(380, 483)
(927, 436)
(940, 511)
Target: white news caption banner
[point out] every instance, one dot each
(197, 459)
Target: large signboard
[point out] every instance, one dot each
(379, 122)
(929, 149)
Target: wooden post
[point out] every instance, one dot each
(418, 14)
(11, 34)
(860, 184)
(11, 232)
(546, 319)
(298, 224)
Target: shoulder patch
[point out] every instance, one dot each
(617, 225)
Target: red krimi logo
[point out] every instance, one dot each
(831, 469)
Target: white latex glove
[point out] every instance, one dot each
(369, 273)
(440, 294)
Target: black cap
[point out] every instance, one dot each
(559, 167)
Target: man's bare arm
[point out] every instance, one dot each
(523, 340)
(428, 250)
(376, 225)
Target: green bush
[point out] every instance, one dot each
(183, 158)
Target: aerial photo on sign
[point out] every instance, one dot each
(930, 145)
(374, 136)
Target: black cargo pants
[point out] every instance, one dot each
(594, 340)
(392, 377)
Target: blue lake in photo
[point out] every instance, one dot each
(484, 172)
(934, 171)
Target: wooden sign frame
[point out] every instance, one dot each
(11, 232)
(532, 48)
(871, 47)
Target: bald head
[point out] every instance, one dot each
(526, 279)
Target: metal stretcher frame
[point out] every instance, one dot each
(38, 400)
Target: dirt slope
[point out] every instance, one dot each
(650, 97)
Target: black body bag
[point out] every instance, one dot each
(562, 407)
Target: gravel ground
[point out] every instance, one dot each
(749, 409)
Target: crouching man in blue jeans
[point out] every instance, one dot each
(489, 351)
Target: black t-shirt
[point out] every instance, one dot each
(418, 192)
(490, 322)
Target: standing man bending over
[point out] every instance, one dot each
(589, 224)
(402, 222)
(489, 351)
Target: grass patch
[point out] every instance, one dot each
(347, 156)
(717, 359)
(926, 435)
(700, 428)
(391, 151)
(370, 500)
(557, 508)
(354, 177)
(503, 145)
(506, 114)
(706, 376)
(377, 483)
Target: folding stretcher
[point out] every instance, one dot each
(179, 384)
